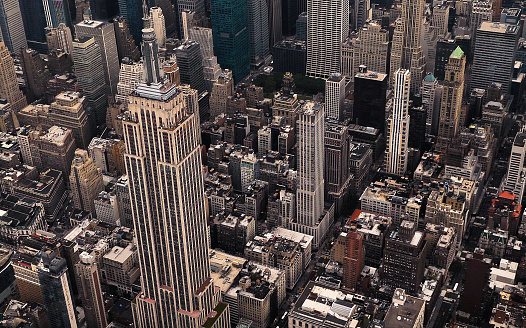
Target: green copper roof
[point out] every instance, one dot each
(430, 78)
(458, 53)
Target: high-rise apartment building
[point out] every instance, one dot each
(104, 35)
(166, 183)
(222, 89)
(88, 282)
(398, 125)
(334, 95)
(231, 36)
(8, 83)
(370, 49)
(406, 52)
(515, 179)
(85, 181)
(494, 55)
(431, 93)
(370, 99)
(327, 27)
(12, 26)
(451, 102)
(158, 24)
(90, 76)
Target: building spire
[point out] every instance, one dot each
(150, 53)
(145, 15)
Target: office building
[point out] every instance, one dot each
(12, 26)
(312, 218)
(104, 35)
(258, 32)
(129, 78)
(190, 65)
(289, 16)
(231, 36)
(53, 148)
(88, 281)
(69, 111)
(59, 38)
(334, 96)
(450, 117)
(406, 52)
(362, 13)
(275, 21)
(515, 179)
(404, 258)
(85, 181)
(370, 99)
(132, 12)
(158, 24)
(477, 282)
(407, 309)
(398, 126)
(167, 299)
(89, 70)
(444, 49)
(222, 89)
(290, 56)
(448, 208)
(8, 82)
(336, 154)
(54, 280)
(126, 45)
(34, 24)
(103, 10)
(211, 69)
(57, 12)
(353, 260)
(325, 36)
(370, 49)
(301, 27)
(431, 93)
(494, 55)
(121, 267)
(481, 11)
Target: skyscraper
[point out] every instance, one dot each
(88, 280)
(211, 68)
(334, 95)
(34, 24)
(104, 35)
(431, 93)
(451, 103)
(90, 76)
(8, 83)
(231, 36)
(103, 9)
(258, 32)
(158, 24)
(190, 65)
(126, 45)
(197, 7)
(35, 74)
(336, 154)
(12, 26)
(370, 98)
(163, 163)
(327, 27)
(223, 88)
(398, 125)
(406, 52)
(57, 12)
(56, 289)
(494, 55)
(480, 12)
(516, 176)
(362, 12)
(311, 218)
(60, 38)
(132, 12)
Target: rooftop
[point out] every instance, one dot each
(225, 268)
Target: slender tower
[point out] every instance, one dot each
(163, 163)
(407, 50)
(398, 125)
